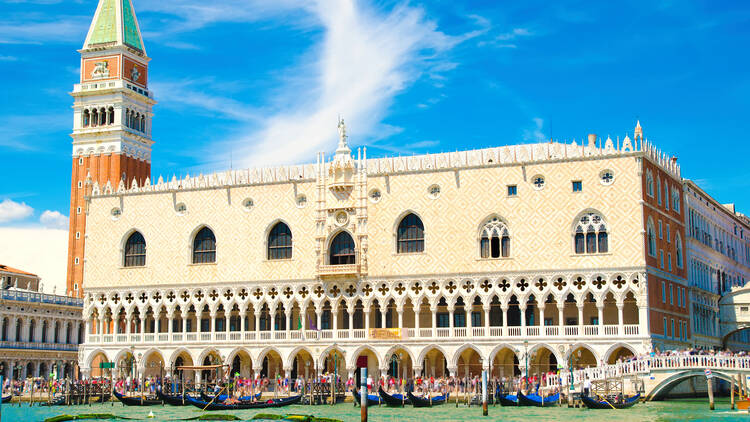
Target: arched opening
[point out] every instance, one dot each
(514, 312)
(135, 251)
(399, 364)
(125, 365)
(43, 370)
(366, 358)
(342, 251)
(32, 331)
(204, 247)
(495, 239)
(96, 361)
(180, 375)
(435, 364)
(410, 235)
(582, 357)
(620, 354)
(303, 365)
(541, 360)
(590, 234)
(468, 363)
(272, 365)
(241, 365)
(5, 329)
(505, 364)
(211, 376)
(630, 310)
(153, 365)
(44, 332)
(280, 242)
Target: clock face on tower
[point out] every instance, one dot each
(134, 74)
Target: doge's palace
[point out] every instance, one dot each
(514, 258)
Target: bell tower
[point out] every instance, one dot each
(112, 108)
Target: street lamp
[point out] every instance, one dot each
(526, 358)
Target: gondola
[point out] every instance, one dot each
(243, 405)
(423, 402)
(372, 399)
(6, 399)
(393, 400)
(507, 399)
(56, 401)
(594, 403)
(137, 401)
(536, 400)
(174, 400)
(223, 397)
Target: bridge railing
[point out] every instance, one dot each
(655, 363)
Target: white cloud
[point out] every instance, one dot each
(13, 211)
(535, 134)
(54, 220)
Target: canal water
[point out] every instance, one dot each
(674, 410)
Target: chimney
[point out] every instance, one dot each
(592, 138)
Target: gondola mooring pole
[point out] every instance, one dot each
(485, 410)
(363, 393)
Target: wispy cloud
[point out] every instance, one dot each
(35, 29)
(508, 39)
(535, 133)
(53, 220)
(17, 131)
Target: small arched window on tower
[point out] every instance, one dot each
(135, 251)
(280, 242)
(590, 234)
(111, 116)
(204, 247)
(495, 239)
(127, 118)
(342, 251)
(102, 116)
(410, 235)
(94, 117)
(143, 124)
(86, 118)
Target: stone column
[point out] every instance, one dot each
(128, 321)
(504, 307)
(319, 317)
(383, 311)
(198, 324)
(451, 309)
(350, 311)
(243, 326)
(288, 314)
(561, 316)
(416, 310)
(257, 320)
(184, 316)
(522, 308)
(143, 325)
(469, 324)
(272, 315)
(486, 308)
(579, 305)
(400, 312)
(99, 327)
(303, 319)
(541, 307)
(212, 315)
(600, 313)
(366, 311)
(227, 321)
(335, 318)
(433, 310)
(170, 323)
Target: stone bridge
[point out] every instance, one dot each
(655, 376)
(734, 312)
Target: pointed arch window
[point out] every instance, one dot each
(495, 239)
(135, 251)
(280, 242)
(590, 234)
(204, 247)
(342, 251)
(650, 183)
(410, 235)
(678, 248)
(651, 238)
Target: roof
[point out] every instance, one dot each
(7, 269)
(114, 24)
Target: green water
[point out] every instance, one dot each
(675, 410)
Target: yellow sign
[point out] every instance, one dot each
(385, 333)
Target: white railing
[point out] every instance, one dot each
(591, 330)
(566, 331)
(611, 330)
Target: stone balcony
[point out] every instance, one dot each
(350, 270)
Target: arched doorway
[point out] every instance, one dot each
(435, 364)
(582, 357)
(96, 362)
(366, 358)
(505, 364)
(621, 353)
(153, 365)
(469, 363)
(399, 363)
(211, 375)
(541, 359)
(242, 364)
(272, 365)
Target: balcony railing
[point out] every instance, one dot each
(567, 331)
(30, 345)
(339, 270)
(35, 297)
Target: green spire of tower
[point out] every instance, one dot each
(114, 24)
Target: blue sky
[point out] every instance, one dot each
(263, 81)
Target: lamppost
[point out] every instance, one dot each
(334, 379)
(526, 358)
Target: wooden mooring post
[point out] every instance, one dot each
(731, 392)
(710, 384)
(363, 394)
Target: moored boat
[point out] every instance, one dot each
(223, 397)
(58, 400)
(6, 399)
(243, 405)
(137, 401)
(537, 400)
(417, 401)
(606, 403)
(507, 399)
(372, 399)
(393, 400)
